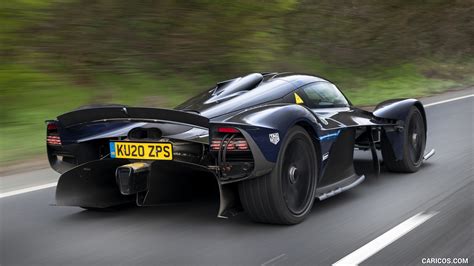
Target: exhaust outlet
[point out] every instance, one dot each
(132, 178)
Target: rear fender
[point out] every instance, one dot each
(265, 129)
(260, 122)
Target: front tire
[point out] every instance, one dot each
(286, 195)
(414, 143)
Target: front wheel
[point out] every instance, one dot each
(286, 195)
(414, 142)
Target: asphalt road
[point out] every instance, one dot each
(35, 233)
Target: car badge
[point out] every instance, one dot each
(274, 138)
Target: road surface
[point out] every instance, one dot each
(35, 233)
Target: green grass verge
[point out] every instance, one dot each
(402, 82)
(28, 97)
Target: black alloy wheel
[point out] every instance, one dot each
(286, 195)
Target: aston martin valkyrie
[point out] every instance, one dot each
(272, 142)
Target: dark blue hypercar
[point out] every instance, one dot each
(272, 142)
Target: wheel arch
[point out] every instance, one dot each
(398, 109)
(275, 119)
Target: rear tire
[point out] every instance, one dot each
(286, 195)
(413, 145)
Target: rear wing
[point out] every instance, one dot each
(134, 114)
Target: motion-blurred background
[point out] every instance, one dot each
(57, 55)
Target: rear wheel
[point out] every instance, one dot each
(413, 145)
(286, 195)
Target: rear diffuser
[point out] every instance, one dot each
(91, 185)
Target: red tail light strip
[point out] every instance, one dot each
(53, 140)
(52, 137)
(227, 130)
(237, 144)
(52, 126)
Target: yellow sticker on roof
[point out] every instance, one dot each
(298, 99)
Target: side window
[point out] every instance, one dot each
(323, 94)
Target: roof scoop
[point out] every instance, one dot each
(235, 87)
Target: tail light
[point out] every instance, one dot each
(236, 144)
(232, 153)
(227, 130)
(52, 134)
(51, 126)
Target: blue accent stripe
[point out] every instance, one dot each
(112, 149)
(330, 136)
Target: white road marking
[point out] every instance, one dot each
(449, 100)
(26, 190)
(384, 240)
(273, 260)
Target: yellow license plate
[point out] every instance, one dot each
(141, 150)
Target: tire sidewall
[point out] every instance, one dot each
(276, 179)
(413, 166)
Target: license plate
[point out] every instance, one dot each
(141, 150)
